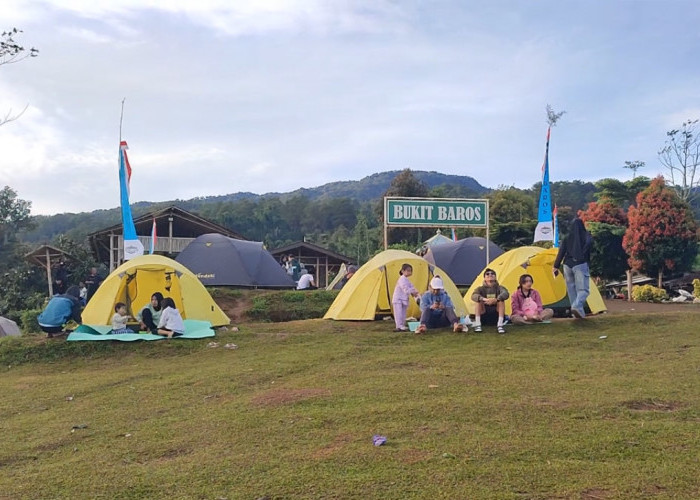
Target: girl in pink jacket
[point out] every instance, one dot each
(526, 304)
(402, 293)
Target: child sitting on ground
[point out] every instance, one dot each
(171, 323)
(402, 292)
(120, 318)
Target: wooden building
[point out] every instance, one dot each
(324, 261)
(175, 229)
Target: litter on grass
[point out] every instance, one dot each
(378, 440)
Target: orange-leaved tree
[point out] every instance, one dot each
(607, 222)
(662, 233)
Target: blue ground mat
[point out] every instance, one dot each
(194, 329)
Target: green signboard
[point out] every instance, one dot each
(436, 212)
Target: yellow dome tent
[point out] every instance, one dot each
(537, 262)
(137, 279)
(368, 293)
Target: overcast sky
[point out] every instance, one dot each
(260, 95)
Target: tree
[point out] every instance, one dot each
(662, 233)
(14, 214)
(607, 222)
(12, 52)
(405, 185)
(634, 166)
(681, 156)
(512, 217)
(552, 116)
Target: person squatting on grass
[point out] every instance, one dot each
(527, 304)
(437, 310)
(61, 309)
(120, 319)
(402, 292)
(490, 302)
(149, 316)
(171, 323)
(575, 251)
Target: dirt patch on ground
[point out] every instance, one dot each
(337, 444)
(279, 397)
(652, 405)
(235, 308)
(594, 493)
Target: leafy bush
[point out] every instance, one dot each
(648, 293)
(696, 288)
(291, 306)
(29, 323)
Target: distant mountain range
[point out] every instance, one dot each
(367, 189)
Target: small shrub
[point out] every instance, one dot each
(696, 288)
(648, 293)
(29, 323)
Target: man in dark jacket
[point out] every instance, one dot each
(92, 282)
(60, 310)
(575, 251)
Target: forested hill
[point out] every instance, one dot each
(367, 189)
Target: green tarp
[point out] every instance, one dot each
(194, 329)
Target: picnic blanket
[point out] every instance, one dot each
(194, 329)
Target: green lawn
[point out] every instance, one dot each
(548, 411)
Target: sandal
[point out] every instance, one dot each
(477, 328)
(501, 329)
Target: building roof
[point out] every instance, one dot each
(305, 249)
(185, 225)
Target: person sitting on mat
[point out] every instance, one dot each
(527, 304)
(149, 316)
(120, 319)
(171, 323)
(490, 302)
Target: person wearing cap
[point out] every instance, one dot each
(437, 310)
(490, 302)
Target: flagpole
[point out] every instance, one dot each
(121, 120)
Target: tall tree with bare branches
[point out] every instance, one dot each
(12, 52)
(681, 156)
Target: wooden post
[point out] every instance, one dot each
(629, 285)
(48, 272)
(170, 235)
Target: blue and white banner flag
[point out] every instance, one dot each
(545, 226)
(132, 246)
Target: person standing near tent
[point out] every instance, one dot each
(92, 282)
(437, 310)
(61, 309)
(171, 323)
(294, 268)
(61, 279)
(575, 252)
(149, 316)
(527, 304)
(490, 301)
(403, 291)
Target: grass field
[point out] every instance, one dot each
(548, 411)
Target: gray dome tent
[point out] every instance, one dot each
(463, 260)
(218, 260)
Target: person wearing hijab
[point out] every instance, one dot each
(575, 252)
